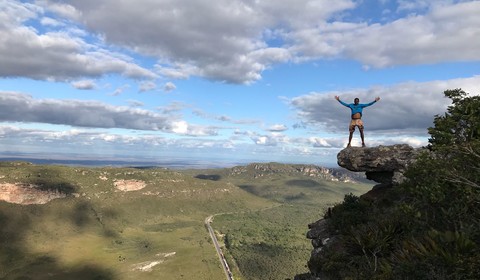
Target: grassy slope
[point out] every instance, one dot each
(104, 233)
(270, 243)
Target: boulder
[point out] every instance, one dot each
(382, 164)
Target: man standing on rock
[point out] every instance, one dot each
(357, 109)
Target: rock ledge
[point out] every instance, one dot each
(382, 164)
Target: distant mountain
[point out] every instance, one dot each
(257, 170)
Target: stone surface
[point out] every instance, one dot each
(27, 194)
(382, 164)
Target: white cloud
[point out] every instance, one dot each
(147, 86)
(23, 108)
(277, 128)
(273, 139)
(120, 90)
(84, 84)
(234, 45)
(407, 108)
(226, 47)
(406, 5)
(183, 128)
(319, 142)
(169, 86)
(51, 21)
(443, 34)
(55, 55)
(62, 9)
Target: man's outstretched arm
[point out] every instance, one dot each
(341, 102)
(371, 103)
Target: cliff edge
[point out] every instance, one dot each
(385, 165)
(382, 164)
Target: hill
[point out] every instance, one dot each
(64, 222)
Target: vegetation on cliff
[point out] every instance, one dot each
(428, 227)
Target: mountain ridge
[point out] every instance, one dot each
(257, 170)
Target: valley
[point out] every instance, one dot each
(148, 223)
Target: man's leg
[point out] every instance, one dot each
(350, 138)
(361, 135)
(351, 129)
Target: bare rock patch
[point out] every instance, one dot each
(27, 194)
(129, 185)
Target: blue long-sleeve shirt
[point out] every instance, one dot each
(356, 108)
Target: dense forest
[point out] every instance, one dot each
(426, 228)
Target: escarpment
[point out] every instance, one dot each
(385, 165)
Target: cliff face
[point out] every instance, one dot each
(383, 164)
(258, 170)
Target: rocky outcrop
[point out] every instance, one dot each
(27, 194)
(383, 164)
(129, 185)
(259, 170)
(321, 238)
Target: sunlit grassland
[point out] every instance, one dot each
(271, 243)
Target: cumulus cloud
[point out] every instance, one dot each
(17, 107)
(239, 41)
(320, 142)
(62, 9)
(169, 86)
(77, 137)
(84, 84)
(230, 46)
(54, 55)
(46, 21)
(272, 139)
(120, 90)
(147, 86)
(407, 108)
(441, 35)
(183, 128)
(277, 128)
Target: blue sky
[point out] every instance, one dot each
(232, 81)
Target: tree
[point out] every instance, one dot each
(455, 138)
(444, 192)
